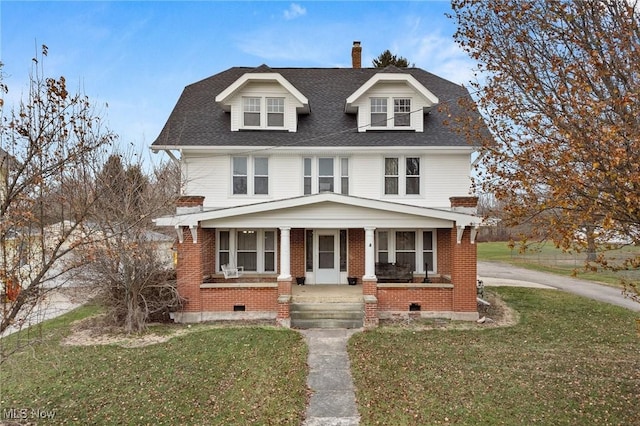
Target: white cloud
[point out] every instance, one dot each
(294, 11)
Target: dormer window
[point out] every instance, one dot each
(253, 107)
(391, 101)
(381, 117)
(263, 101)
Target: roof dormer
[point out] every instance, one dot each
(391, 100)
(263, 100)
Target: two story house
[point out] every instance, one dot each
(324, 175)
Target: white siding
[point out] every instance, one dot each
(445, 176)
(286, 179)
(366, 177)
(442, 176)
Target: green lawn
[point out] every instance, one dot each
(568, 361)
(545, 257)
(241, 375)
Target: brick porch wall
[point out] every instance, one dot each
(429, 299)
(253, 299)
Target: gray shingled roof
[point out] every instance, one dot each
(197, 120)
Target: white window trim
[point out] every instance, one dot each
(251, 176)
(390, 123)
(315, 173)
(409, 112)
(264, 112)
(402, 177)
(260, 249)
(391, 247)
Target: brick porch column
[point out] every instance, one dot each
(189, 268)
(464, 263)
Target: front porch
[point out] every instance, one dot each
(328, 252)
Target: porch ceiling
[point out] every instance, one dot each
(325, 210)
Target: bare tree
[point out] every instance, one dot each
(560, 90)
(49, 144)
(132, 262)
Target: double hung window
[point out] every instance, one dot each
(391, 176)
(251, 108)
(402, 112)
(406, 248)
(415, 248)
(250, 175)
(325, 174)
(344, 176)
(383, 117)
(307, 176)
(402, 176)
(378, 112)
(240, 171)
(254, 250)
(259, 112)
(275, 112)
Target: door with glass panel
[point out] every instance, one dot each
(327, 257)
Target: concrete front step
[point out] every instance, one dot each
(327, 315)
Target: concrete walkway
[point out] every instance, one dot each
(497, 273)
(333, 401)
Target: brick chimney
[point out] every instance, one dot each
(356, 55)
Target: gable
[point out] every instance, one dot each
(275, 81)
(329, 215)
(393, 82)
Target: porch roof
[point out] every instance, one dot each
(324, 210)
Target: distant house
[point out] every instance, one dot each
(328, 175)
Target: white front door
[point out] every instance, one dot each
(327, 256)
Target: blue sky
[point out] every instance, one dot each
(137, 56)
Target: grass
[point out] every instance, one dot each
(234, 375)
(547, 258)
(568, 361)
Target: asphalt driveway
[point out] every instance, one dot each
(497, 273)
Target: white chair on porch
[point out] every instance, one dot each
(231, 271)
